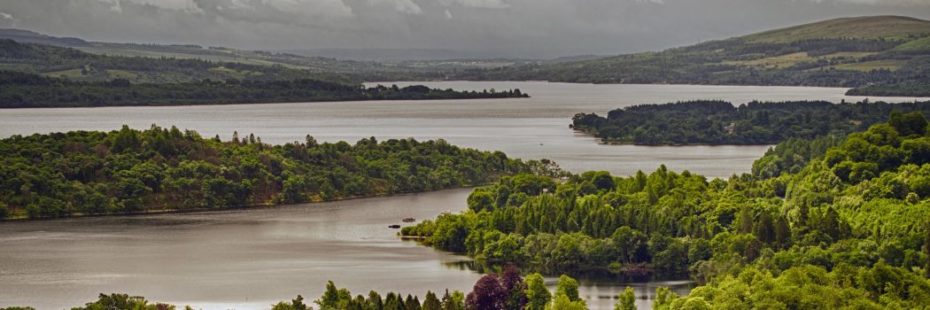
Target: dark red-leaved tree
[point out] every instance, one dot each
(514, 287)
(488, 294)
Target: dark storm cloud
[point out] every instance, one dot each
(528, 28)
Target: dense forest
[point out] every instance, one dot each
(891, 52)
(851, 229)
(23, 90)
(132, 171)
(719, 122)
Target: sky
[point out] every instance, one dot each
(506, 28)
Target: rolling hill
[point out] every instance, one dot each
(77, 59)
(43, 71)
(880, 52)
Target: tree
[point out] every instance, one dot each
(430, 302)
(122, 301)
(296, 304)
(627, 300)
(412, 303)
(454, 301)
(926, 248)
(568, 287)
(664, 298)
(765, 228)
(745, 220)
(562, 302)
(908, 124)
(374, 300)
(487, 294)
(515, 287)
(782, 232)
(333, 298)
(537, 295)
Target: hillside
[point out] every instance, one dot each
(845, 52)
(896, 28)
(78, 59)
(74, 64)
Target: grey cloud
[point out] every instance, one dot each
(488, 4)
(506, 28)
(7, 20)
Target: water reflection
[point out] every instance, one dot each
(599, 289)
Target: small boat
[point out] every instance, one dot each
(395, 226)
(409, 220)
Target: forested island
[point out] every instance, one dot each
(23, 90)
(849, 229)
(130, 171)
(720, 122)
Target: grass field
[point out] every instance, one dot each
(777, 62)
(889, 64)
(920, 45)
(122, 74)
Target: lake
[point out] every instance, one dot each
(242, 259)
(247, 259)
(531, 128)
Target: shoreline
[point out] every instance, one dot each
(228, 103)
(26, 219)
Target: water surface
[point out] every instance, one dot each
(242, 259)
(531, 128)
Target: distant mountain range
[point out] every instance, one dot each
(876, 55)
(395, 54)
(77, 59)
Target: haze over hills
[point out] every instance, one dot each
(846, 52)
(43, 71)
(396, 54)
(878, 55)
(96, 61)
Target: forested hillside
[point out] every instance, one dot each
(133, 171)
(849, 229)
(878, 51)
(719, 122)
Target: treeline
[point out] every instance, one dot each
(719, 122)
(902, 89)
(23, 90)
(507, 290)
(134, 171)
(504, 291)
(849, 229)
